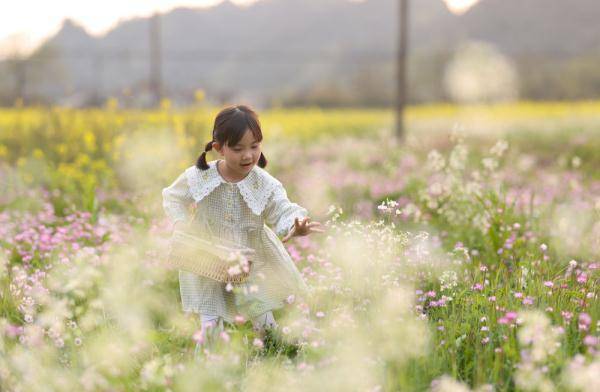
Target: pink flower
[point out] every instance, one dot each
(225, 336)
(528, 301)
(258, 343)
(518, 295)
(549, 284)
(294, 253)
(584, 321)
(13, 330)
(239, 319)
(566, 315)
(477, 287)
(485, 340)
(492, 298)
(590, 341)
(585, 318)
(511, 315)
(197, 337)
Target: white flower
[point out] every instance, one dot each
(448, 384)
(581, 376)
(435, 160)
(490, 164)
(499, 148)
(573, 263)
(234, 270)
(382, 206)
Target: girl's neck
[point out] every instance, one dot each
(225, 174)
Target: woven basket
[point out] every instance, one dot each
(206, 257)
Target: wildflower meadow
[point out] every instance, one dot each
(465, 257)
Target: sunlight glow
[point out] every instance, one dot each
(460, 6)
(25, 24)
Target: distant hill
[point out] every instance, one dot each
(320, 51)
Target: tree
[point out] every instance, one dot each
(14, 67)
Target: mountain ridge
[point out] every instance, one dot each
(276, 50)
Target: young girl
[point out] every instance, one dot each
(234, 198)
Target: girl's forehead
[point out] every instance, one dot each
(248, 138)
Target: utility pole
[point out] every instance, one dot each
(401, 68)
(20, 72)
(99, 74)
(155, 59)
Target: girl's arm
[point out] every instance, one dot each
(176, 199)
(280, 213)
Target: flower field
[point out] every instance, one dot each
(465, 258)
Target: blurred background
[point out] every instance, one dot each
(451, 149)
(296, 52)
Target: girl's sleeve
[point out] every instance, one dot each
(176, 199)
(280, 212)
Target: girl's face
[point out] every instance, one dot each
(242, 157)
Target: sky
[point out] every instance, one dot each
(25, 23)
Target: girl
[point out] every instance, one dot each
(234, 198)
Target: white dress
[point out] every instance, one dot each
(238, 212)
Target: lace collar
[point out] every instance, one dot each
(256, 187)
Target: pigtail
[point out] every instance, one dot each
(262, 161)
(201, 162)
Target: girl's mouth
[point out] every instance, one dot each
(247, 164)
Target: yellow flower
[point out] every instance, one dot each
(165, 104)
(112, 103)
(199, 95)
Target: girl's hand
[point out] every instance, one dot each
(303, 227)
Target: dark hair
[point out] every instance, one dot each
(230, 126)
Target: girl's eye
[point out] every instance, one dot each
(255, 147)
